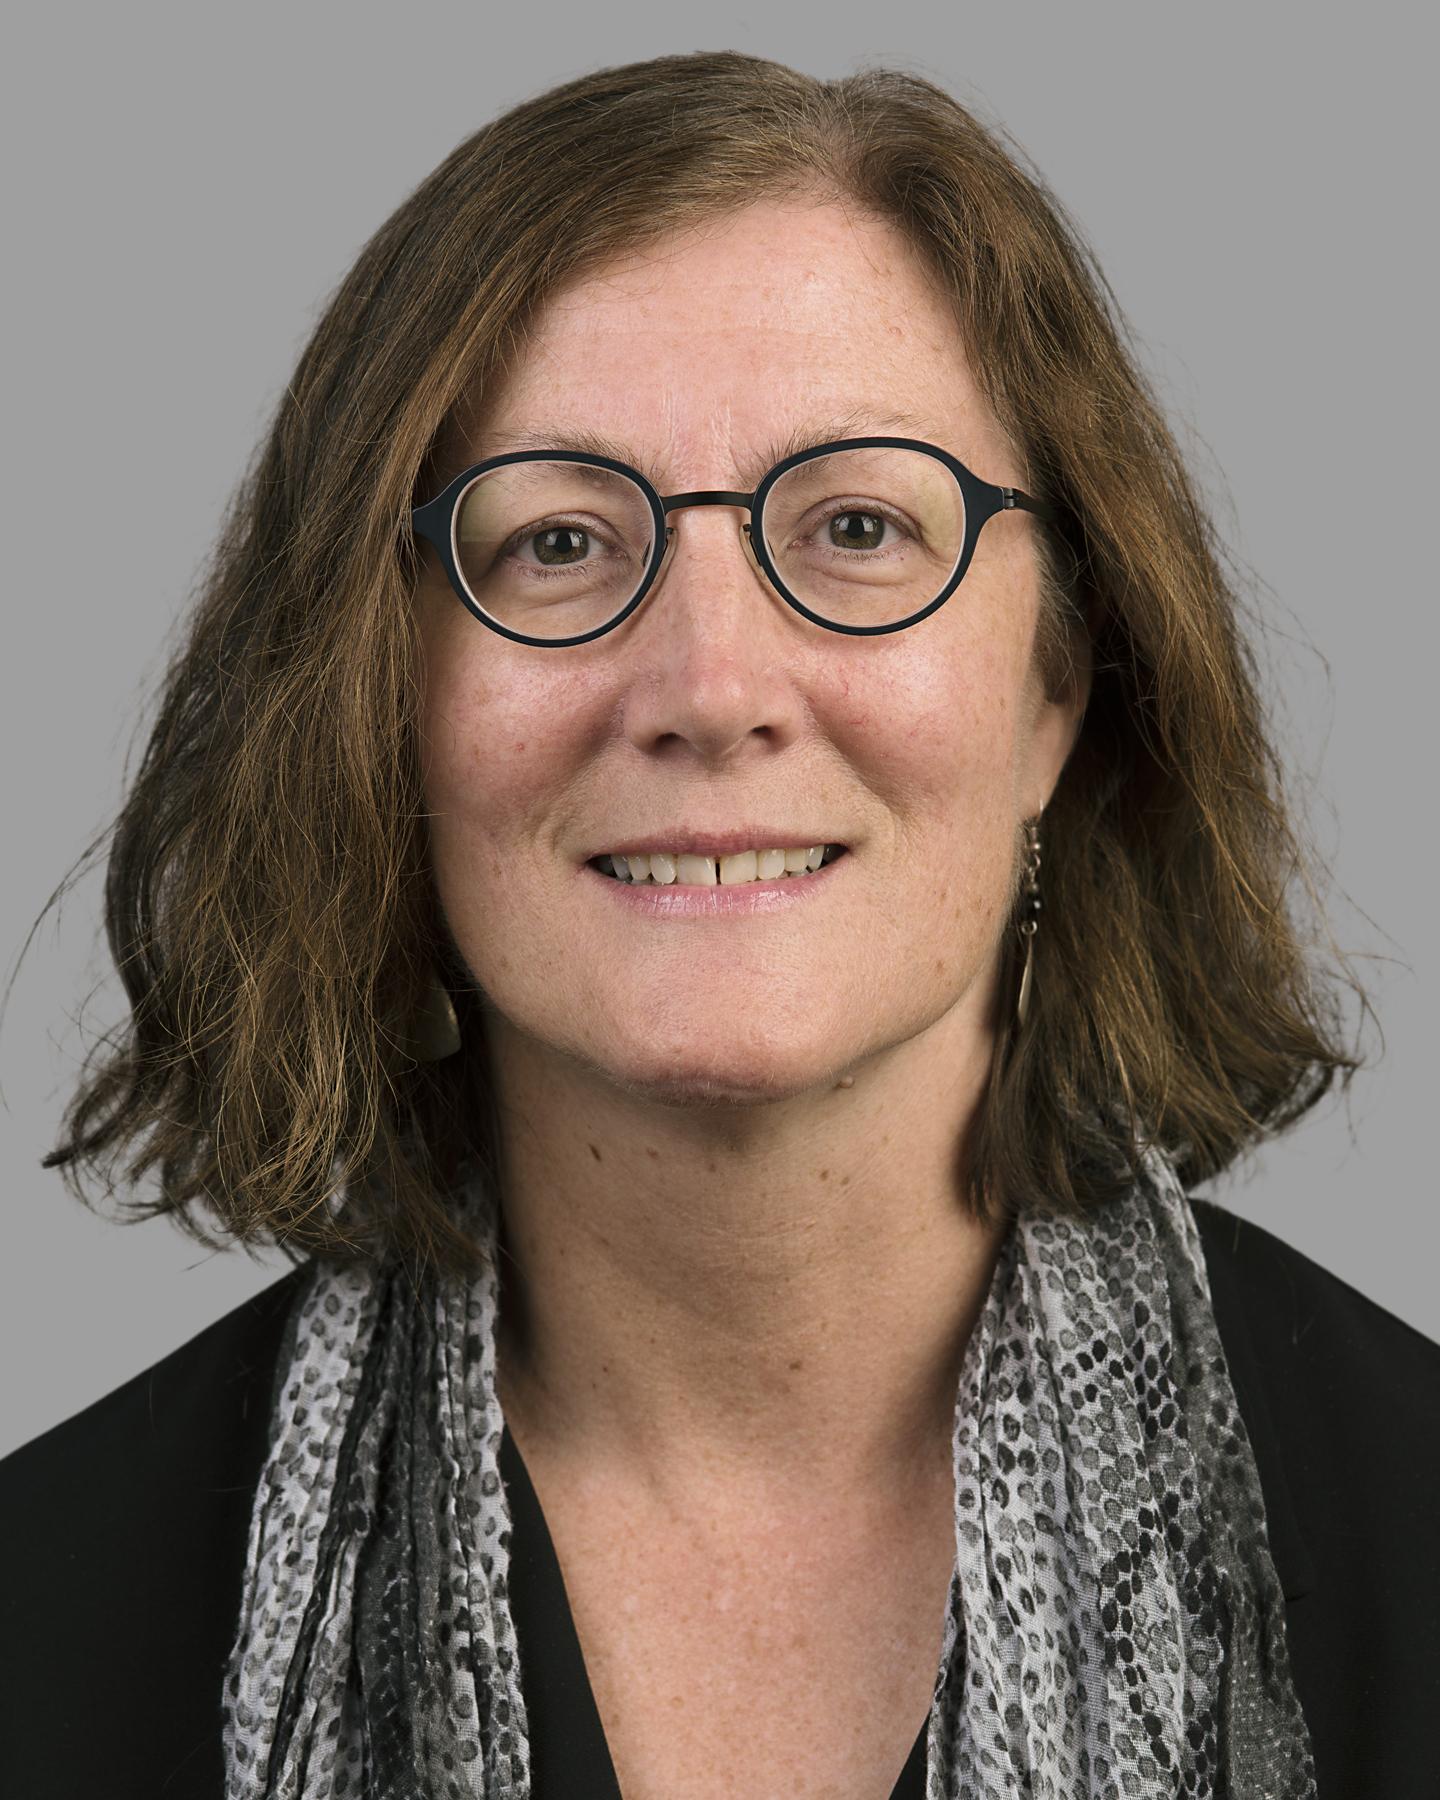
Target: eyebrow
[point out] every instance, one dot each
(858, 422)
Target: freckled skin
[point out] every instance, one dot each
(720, 1132)
(921, 749)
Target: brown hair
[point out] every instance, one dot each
(268, 900)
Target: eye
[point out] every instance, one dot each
(857, 529)
(558, 544)
(866, 529)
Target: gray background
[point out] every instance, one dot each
(188, 184)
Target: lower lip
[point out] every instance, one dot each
(685, 900)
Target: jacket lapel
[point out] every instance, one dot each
(1288, 1549)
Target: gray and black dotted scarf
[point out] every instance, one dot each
(1114, 1628)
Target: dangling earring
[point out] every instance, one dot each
(1028, 927)
(434, 1029)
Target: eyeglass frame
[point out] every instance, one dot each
(435, 522)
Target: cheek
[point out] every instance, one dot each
(941, 742)
(480, 748)
(963, 824)
(941, 750)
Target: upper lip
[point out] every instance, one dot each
(684, 840)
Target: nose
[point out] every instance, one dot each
(705, 669)
(746, 540)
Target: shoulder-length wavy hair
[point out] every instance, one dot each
(269, 904)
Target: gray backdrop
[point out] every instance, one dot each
(190, 183)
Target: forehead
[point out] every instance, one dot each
(709, 354)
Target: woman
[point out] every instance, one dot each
(715, 577)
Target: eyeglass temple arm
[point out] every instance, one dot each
(1012, 499)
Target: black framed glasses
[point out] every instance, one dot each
(863, 535)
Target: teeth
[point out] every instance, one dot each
(738, 868)
(661, 868)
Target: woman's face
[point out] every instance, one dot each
(716, 708)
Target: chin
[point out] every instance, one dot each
(744, 1076)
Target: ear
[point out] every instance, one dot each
(1059, 715)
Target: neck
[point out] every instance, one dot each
(770, 1301)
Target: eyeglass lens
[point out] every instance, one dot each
(860, 537)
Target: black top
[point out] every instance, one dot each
(123, 1534)
(568, 1753)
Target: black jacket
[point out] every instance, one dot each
(123, 1537)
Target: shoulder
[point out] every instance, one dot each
(160, 1422)
(1341, 1400)
(1304, 1319)
(1349, 1392)
(123, 1532)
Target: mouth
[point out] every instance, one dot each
(662, 869)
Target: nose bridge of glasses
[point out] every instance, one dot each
(708, 497)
